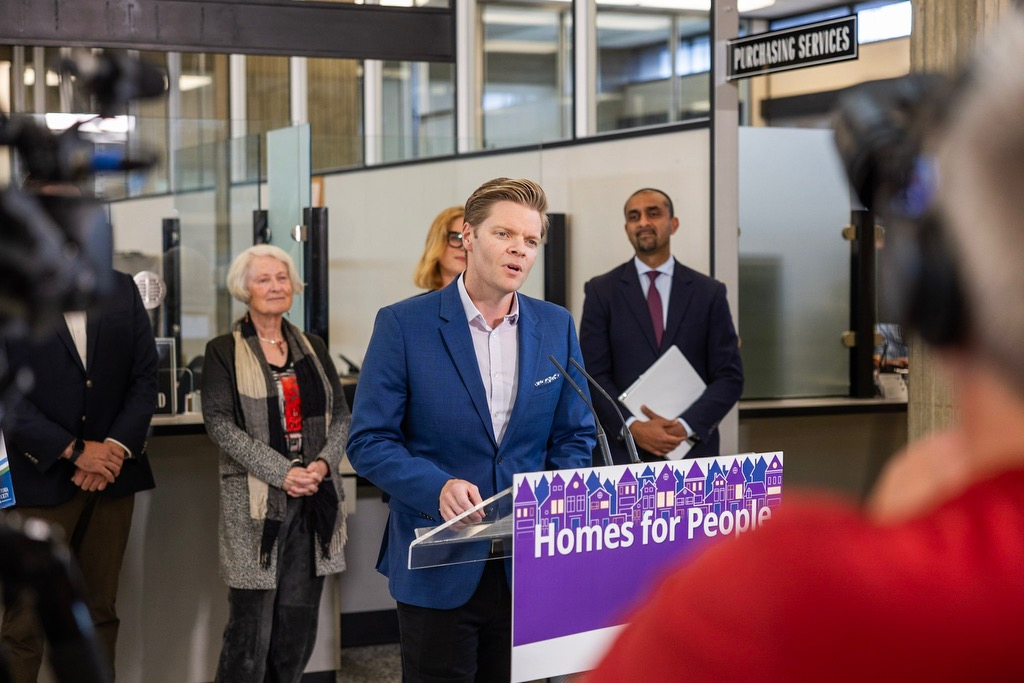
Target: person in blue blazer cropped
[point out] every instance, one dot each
(456, 395)
(620, 341)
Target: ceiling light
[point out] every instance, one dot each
(188, 82)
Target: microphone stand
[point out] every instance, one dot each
(602, 439)
(627, 435)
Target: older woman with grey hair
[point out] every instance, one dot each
(273, 405)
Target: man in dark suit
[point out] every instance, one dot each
(76, 446)
(456, 395)
(627, 324)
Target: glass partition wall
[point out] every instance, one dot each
(526, 93)
(651, 69)
(223, 191)
(221, 188)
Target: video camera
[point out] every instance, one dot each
(882, 130)
(56, 249)
(55, 243)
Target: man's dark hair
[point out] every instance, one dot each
(668, 200)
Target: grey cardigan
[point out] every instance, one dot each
(239, 534)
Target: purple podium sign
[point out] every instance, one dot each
(589, 544)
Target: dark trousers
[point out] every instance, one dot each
(101, 537)
(469, 643)
(271, 633)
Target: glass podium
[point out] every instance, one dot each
(460, 540)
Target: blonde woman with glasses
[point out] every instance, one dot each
(443, 258)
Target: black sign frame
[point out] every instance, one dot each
(783, 48)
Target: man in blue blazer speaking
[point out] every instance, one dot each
(637, 311)
(456, 395)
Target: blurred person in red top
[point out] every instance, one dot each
(924, 582)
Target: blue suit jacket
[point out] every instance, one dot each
(617, 338)
(114, 396)
(420, 418)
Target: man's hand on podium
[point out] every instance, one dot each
(457, 496)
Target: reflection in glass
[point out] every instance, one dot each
(267, 94)
(634, 65)
(215, 212)
(527, 74)
(335, 112)
(637, 55)
(418, 109)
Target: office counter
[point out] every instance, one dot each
(837, 443)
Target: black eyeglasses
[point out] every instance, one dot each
(455, 239)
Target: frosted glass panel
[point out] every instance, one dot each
(288, 187)
(794, 264)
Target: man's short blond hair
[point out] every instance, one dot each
(517, 190)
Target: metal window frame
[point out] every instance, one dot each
(267, 27)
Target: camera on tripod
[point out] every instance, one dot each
(55, 242)
(882, 132)
(56, 249)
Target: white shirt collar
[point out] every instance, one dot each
(666, 268)
(472, 312)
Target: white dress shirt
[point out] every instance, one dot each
(664, 284)
(76, 321)
(497, 356)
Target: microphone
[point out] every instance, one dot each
(627, 435)
(151, 288)
(69, 156)
(353, 369)
(602, 439)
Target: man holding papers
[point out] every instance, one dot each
(638, 311)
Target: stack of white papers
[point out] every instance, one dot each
(668, 387)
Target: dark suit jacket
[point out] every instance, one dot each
(617, 339)
(114, 397)
(421, 418)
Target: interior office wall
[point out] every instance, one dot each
(840, 452)
(379, 217)
(378, 223)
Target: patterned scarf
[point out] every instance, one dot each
(261, 410)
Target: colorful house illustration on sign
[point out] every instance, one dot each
(664, 489)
